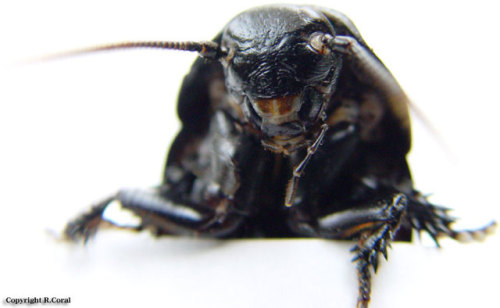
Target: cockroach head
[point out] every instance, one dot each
(280, 66)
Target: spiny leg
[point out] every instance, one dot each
(373, 241)
(86, 225)
(159, 213)
(435, 221)
(198, 192)
(374, 226)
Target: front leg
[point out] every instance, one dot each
(198, 193)
(375, 225)
(160, 214)
(374, 241)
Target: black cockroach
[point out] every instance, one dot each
(291, 127)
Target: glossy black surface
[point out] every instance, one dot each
(293, 128)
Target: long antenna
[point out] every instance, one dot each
(206, 49)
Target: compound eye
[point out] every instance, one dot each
(318, 42)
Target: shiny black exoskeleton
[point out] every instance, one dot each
(291, 127)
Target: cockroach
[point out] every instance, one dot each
(291, 127)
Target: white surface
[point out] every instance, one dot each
(75, 130)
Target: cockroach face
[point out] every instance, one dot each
(281, 73)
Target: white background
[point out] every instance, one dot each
(74, 130)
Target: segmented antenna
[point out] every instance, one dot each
(206, 49)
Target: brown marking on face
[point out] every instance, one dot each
(285, 105)
(266, 106)
(276, 106)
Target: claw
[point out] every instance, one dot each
(383, 248)
(374, 261)
(430, 229)
(434, 237)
